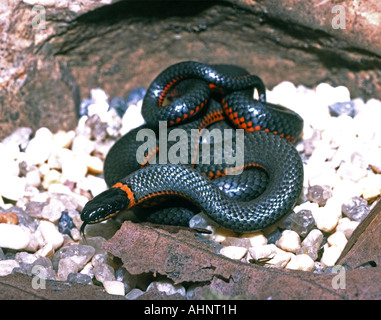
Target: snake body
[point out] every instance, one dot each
(267, 128)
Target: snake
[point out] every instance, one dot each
(208, 94)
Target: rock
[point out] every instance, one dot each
(167, 287)
(104, 272)
(339, 108)
(136, 95)
(238, 242)
(79, 254)
(255, 238)
(301, 262)
(233, 252)
(337, 239)
(302, 222)
(63, 139)
(14, 188)
(260, 252)
(66, 266)
(134, 294)
(40, 147)
(7, 266)
(50, 234)
(319, 194)
(19, 137)
(311, 244)
(8, 217)
(330, 256)
(120, 105)
(13, 236)
(53, 210)
(289, 241)
(347, 226)
(356, 208)
(114, 287)
(79, 278)
(65, 224)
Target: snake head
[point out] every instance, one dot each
(104, 206)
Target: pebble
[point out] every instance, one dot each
(13, 236)
(312, 243)
(135, 96)
(8, 217)
(255, 238)
(40, 147)
(260, 252)
(302, 222)
(337, 239)
(134, 294)
(50, 234)
(78, 254)
(104, 272)
(167, 287)
(340, 108)
(7, 266)
(65, 224)
(301, 262)
(330, 256)
(120, 105)
(20, 137)
(356, 208)
(79, 278)
(347, 226)
(233, 252)
(289, 241)
(114, 287)
(319, 194)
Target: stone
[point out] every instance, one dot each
(13, 236)
(9, 217)
(302, 222)
(347, 226)
(7, 266)
(233, 252)
(50, 234)
(14, 189)
(260, 252)
(134, 294)
(79, 254)
(114, 287)
(63, 139)
(104, 272)
(167, 287)
(319, 194)
(289, 241)
(120, 105)
(136, 95)
(238, 242)
(255, 238)
(326, 221)
(129, 280)
(65, 224)
(301, 262)
(66, 266)
(339, 108)
(337, 239)
(53, 210)
(19, 137)
(356, 208)
(40, 147)
(79, 278)
(330, 256)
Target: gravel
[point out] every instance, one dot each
(46, 178)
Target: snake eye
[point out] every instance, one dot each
(104, 206)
